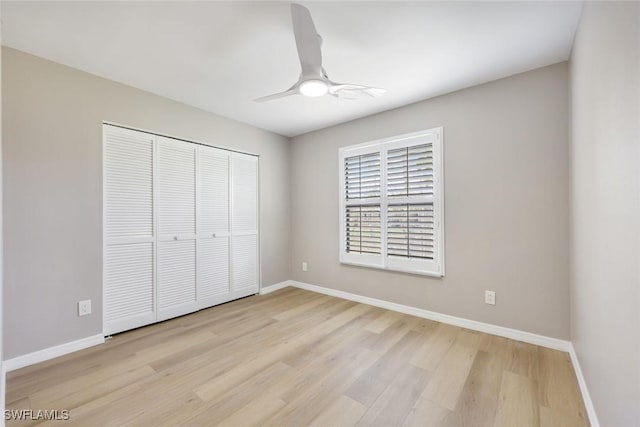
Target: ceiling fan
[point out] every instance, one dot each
(313, 81)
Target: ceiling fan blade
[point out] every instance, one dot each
(350, 91)
(307, 41)
(277, 95)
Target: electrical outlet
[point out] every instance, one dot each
(304, 266)
(490, 297)
(84, 307)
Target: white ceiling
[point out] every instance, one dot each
(219, 56)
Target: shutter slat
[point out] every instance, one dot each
(410, 171)
(410, 230)
(362, 176)
(363, 229)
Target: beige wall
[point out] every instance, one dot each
(53, 191)
(605, 156)
(506, 204)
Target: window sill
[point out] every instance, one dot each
(395, 269)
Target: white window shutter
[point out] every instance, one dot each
(410, 225)
(244, 244)
(361, 208)
(392, 203)
(128, 230)
(176, 195)
(213, 226)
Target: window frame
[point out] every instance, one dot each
(435, 267)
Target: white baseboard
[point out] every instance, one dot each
(586, 397)
(51, 352)
(275, 287)
(528, 337)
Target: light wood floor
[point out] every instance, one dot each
(298, 358)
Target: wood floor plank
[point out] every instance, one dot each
(307, 404)
(72, 393)
(435, 347)
(295, 358)
(343, 412)
(377, 378)
(479, 398)
(445, 386)
(518, 402)
(396, 401)
(427, 413)
(558, 391)
(521, 358)
(302, 308)
(254, 412)
(383, 322)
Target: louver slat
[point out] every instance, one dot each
(176, 273)
(128, 194)
(213, 190)
(363, 229)
(362, 176)
(128, 281)
(244, 243)
(176, 188)
(410, 230)
(245, 193)
(410, 171)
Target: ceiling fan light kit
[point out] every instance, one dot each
(313, 81)
(313, 88)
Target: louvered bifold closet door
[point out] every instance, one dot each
(214, 286)
(128, 230)
(176, 199)
(244, 220)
